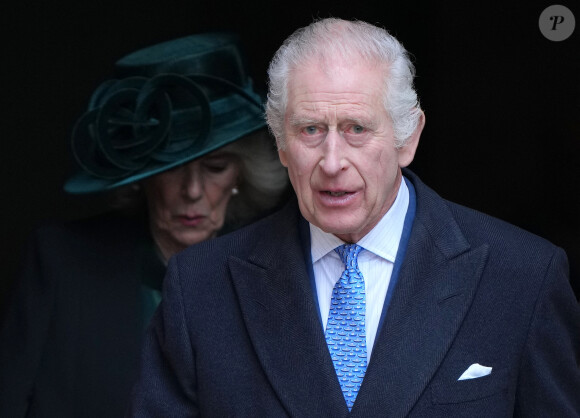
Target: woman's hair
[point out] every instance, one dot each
(262, 184)
(263, 179)
(326, 39)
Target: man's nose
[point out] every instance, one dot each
(333, 160)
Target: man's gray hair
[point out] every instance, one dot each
(328, 38)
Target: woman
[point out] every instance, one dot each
(180, 138)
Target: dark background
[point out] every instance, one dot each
(502, 102)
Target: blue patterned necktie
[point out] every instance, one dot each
(345, 330)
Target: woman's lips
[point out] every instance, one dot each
(186, 220)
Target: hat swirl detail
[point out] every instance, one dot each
(136, 121)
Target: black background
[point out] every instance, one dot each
(502, 102)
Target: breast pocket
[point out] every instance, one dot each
(470, 390)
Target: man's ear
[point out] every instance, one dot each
(283, 157)
(407, 151)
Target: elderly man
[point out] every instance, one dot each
(369, 294)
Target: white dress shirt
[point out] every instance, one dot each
(375, 263)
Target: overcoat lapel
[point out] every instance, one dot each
(436, 286)
(276, 299)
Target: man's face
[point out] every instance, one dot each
(340, 151)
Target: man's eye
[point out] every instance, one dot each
(357, 129)
(310, 130)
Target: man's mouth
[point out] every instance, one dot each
(335, 194)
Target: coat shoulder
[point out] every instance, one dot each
(104, 228)
(507, 241)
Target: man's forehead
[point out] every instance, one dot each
(317, 109)
(312, 100)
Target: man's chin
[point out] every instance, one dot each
(344, 232)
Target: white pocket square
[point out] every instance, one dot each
(474, 371)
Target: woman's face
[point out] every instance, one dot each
(188, 204)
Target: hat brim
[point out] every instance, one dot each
(82, 182)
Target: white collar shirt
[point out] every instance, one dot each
(375, 263)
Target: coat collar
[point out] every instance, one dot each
(437, 282)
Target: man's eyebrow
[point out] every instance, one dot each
(356, 121)
(297, 120)
(305, 120)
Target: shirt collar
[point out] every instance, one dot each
(382, 240)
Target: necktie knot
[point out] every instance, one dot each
(348, 253)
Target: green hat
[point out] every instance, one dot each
(171, 103)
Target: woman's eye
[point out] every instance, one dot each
(216, 168)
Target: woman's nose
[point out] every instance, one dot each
(192, 183)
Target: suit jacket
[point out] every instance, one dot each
(71, 340)
(238, 333)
